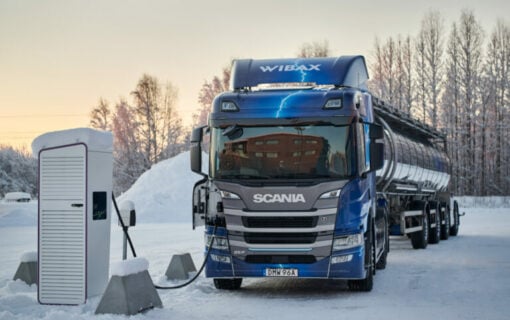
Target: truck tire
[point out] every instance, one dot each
(366, 284)
(228, 284)
(434, 232)
(445, 228)
(454, 228)
(420, 239)
(381, 264)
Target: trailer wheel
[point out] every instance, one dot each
(445, 228)
(420, 239)
(435, 232)
(228, 284)
(366, 284)
(454, 228)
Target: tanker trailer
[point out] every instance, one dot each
(413, 185)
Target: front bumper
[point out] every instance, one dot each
(352, 268)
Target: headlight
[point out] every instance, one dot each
(229, 195)
(347, 242)
(331, 194)
(219, 243)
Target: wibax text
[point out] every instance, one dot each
(290, 67)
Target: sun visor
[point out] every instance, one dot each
(348, 71)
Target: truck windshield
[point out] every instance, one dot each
(282, 152)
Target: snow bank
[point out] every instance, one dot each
(483, 202)
(130, 266)
(163, 193)
(30, 256)
(17, 214)
(94, 139)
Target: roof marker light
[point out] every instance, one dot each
(229, 106)
(333, 104)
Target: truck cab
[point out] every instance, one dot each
(291, 185)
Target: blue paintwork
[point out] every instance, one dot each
(321, 269)
(277, 106)
(347, 71)
(282, 104)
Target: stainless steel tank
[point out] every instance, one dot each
(411, 164)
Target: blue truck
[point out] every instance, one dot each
(309, 175)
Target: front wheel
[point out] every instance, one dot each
(366, 284)
(228, 284)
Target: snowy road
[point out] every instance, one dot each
(466, 277)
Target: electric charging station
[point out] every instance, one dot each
(75, 188)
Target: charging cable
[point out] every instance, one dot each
(209, 247)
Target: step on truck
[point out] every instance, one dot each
(309, 175)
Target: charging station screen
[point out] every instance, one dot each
(99, 205)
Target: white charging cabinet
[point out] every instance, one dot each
(75, 190)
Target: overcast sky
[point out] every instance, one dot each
(58, 57)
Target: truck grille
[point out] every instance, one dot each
(280, 238)
(280, 222)
(280, 259)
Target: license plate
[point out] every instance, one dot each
(281, 272)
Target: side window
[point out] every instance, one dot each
(366, 145)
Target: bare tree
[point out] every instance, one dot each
(432, 28)
(100, 116)
(407, 74)
(495, 121)
(314, 50)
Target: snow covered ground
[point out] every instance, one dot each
(466, 277)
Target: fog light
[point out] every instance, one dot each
(341, 259)
(221, 259)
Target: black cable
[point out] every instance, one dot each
(209, 247)
(124, 228)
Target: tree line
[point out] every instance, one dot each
(457, 81)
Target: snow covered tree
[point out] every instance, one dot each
(129, 161)
(209, 90)
(18, 171)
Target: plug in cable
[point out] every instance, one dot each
(209, 247)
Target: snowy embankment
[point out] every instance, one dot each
(163, 194)
(465, 277)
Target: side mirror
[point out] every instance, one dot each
(196, 150)
(376, 156)
(376, 132)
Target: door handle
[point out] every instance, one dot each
(77, 205)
